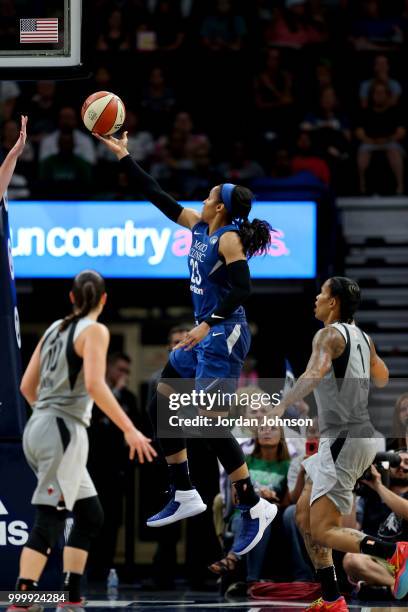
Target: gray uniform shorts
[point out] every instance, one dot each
(56, 448)
(337, 466)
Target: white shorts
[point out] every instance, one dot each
(337, 466)
(56, 449)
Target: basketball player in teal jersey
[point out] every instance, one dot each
(214, 350)
(343, 362)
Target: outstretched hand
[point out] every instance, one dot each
(118, 146)
(20, 144)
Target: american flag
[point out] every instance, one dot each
(42, 30)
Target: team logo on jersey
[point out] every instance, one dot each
(214, 240)
(50, 489)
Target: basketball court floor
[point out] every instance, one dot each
(188, 601)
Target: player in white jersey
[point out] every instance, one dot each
(343, 362)
(66, 374)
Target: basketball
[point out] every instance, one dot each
(103, 113)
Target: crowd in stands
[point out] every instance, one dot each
(250, 92)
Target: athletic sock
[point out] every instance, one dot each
(377, 548)
(245, 492)
(328, 580)
(180, 476)
(72, 584)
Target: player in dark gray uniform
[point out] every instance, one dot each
(343, 362)
(66, 374)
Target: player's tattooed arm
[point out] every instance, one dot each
(328, 344)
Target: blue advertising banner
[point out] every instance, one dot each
(135, 240)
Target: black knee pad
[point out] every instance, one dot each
(48, 527)
(88, 521)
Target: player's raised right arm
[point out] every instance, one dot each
(147, 185)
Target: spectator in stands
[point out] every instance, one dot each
(65, 172)
(175, 165)
(381, 74)
(158, 101)
(224, 30)
(306, 158)
(103, 79)
(203, 176)
(329, 126)
(249, 374)
(372, 31)
(68, 124)
(381, 128)
(115, 36)
(111, 469)
(295, 28)
(9, 94)
(274, 93)
(240, 168)
(400, 424)
(140, 141)
(382, 512)
(43, 110)
(183, 123)
(167, 25)
(268, 465)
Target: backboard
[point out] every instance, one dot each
(40, 34)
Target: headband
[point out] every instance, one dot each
(226, 195)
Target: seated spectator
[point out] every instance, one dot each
(158, 101)
(274, 93)
(381, 75)
(9, 94)
(268, 466)
(372, 31)
(306, 158)
(203, 176)
(223, 30)
(65, 171)
(329, 126)
(183, 123)
(115, 36)
(175, 165)
(140, 141)
(400, 424)
(380, 128)
(294, 28)
(68, 124)
(249, 374)
(43, 110)
(168, 26)
(240, 168)
(383, 513)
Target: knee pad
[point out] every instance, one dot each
(48, 527)
(88, 521)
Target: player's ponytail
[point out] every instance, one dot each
(256, 234)
(88, 288)
(348, 292)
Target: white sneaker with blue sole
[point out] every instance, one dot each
(182, 504)
(254, 522)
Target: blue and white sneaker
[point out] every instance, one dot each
(254, 522)
(182, 504)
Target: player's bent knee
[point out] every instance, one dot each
(48, 527)
(88, 521)
(351, 562)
